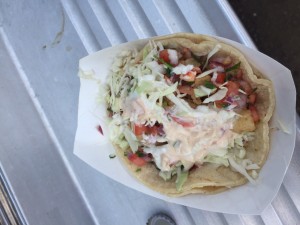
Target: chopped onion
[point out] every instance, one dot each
(212, 52)
(173, 56)
(207, 72)
(214, 77)
(217, 96)
(182, 69)
(241, 91)
(155, 67)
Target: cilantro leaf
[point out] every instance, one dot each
(234, 67)
(209, 85)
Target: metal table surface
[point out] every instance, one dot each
(40, 45)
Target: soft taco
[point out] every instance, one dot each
(188, 114)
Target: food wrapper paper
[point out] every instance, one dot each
(94, 148)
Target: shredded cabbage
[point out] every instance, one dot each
(212, 52)
(216, 160)
(131, 139)
(239, 168)
(180, 103)
(202, 91)
(181, 178)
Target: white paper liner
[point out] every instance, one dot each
(94, 149)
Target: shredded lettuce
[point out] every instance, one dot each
(156, 152)
(181, 178)
(131, 139)
(155, 67)
(216, 160)
(202, 91)
(239, 168)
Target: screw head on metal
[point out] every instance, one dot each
(160, 219)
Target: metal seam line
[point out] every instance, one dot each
(87, 37)
(230, 14)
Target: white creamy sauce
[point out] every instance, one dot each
(211, 133)
(140, 110)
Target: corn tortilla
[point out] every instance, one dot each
(210, 179)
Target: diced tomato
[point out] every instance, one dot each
(252, 98)
(219, 104)
(182, 122)
(239, 74)
(223, 104)
(139, 161)
(254, 113)
(142, 129)
(160, 130)
(164, 55)
(233, 88)
(189, 76)
(174, 78)
(139, 129)
(221, 78)
(185, 89)
(152, 130)
(245, 86)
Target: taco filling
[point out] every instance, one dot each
(181, 112)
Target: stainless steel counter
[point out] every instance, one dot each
(41, 43)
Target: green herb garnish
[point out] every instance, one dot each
(140, 154)
(234, 67)
(138, 170)
(225, 105)
(167, 65)
(228, 77)
(209, 85)
(169, 72)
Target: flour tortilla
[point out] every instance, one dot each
(210, 179)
